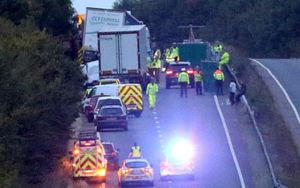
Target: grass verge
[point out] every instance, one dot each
(278, 139)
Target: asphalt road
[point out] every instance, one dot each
(194, 118)
(287, 73)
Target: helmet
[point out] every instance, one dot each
(183, 69)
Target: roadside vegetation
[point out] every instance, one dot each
(40, 89)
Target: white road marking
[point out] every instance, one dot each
(160, 136)
(282, 88)
(157, 122)
(157, 126)
(155, 117)
(158, 130)
(236, 162)
(154, 112)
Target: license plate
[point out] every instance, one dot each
(131, 107)
(136, 177)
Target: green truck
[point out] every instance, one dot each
(201, 55)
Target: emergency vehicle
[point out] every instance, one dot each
(89, 157)
(135, 171)
(132, 97)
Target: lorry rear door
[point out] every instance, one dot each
(109, 51)
(129, 57)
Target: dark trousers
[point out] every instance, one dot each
(198, 88)
(154, 72)
(219, 87)
(183, 89)
(231, 98)
(238, 97)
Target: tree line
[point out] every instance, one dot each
(261, 28)
(40, 88)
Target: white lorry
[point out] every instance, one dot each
(123, 53)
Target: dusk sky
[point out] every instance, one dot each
(80, 5)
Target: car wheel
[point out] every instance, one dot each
(151, 184)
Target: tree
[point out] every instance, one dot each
(39, 95)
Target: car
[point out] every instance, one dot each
(135, 171)
(174, 69)
(179, 161)
(111, 155)
(90, 106)
(172, 168)
(88, 157)
(110, 117)
(108, 101)
(108, 81)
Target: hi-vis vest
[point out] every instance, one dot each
(132, 97)
(136, 151)
(219, 75)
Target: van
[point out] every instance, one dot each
(132, 97)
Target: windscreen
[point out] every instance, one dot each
(109, 102)
(111, 112)
(136, 164)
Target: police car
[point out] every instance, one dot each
(135, 171)
(178, 162)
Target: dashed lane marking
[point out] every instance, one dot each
(157, 122)
(157, 126)
(155, 117)
(236, 162)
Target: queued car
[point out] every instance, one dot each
(111, 117)
(135, 171)
(90, 107)
(174, 69)
(108, 81)
(108, 101)
(111, 155)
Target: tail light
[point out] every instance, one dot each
(165, 164)
(169, 72)
(101, 172)
(148, 170)
(190, 71)
(99, 150)
(76, 151)
(124, 171)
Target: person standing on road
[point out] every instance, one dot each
(135, 151)
(232, 92)
(152, 89)
(198, 81)
(184, 81)
(242, 91)
(156, 65)
(219, 78)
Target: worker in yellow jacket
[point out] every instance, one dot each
(152, 89)
(184, 81)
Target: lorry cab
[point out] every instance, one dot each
(89, 157)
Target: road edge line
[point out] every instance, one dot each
(236, 162)
(281, 87)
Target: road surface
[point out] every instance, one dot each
(195, 118)
(287, 73)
